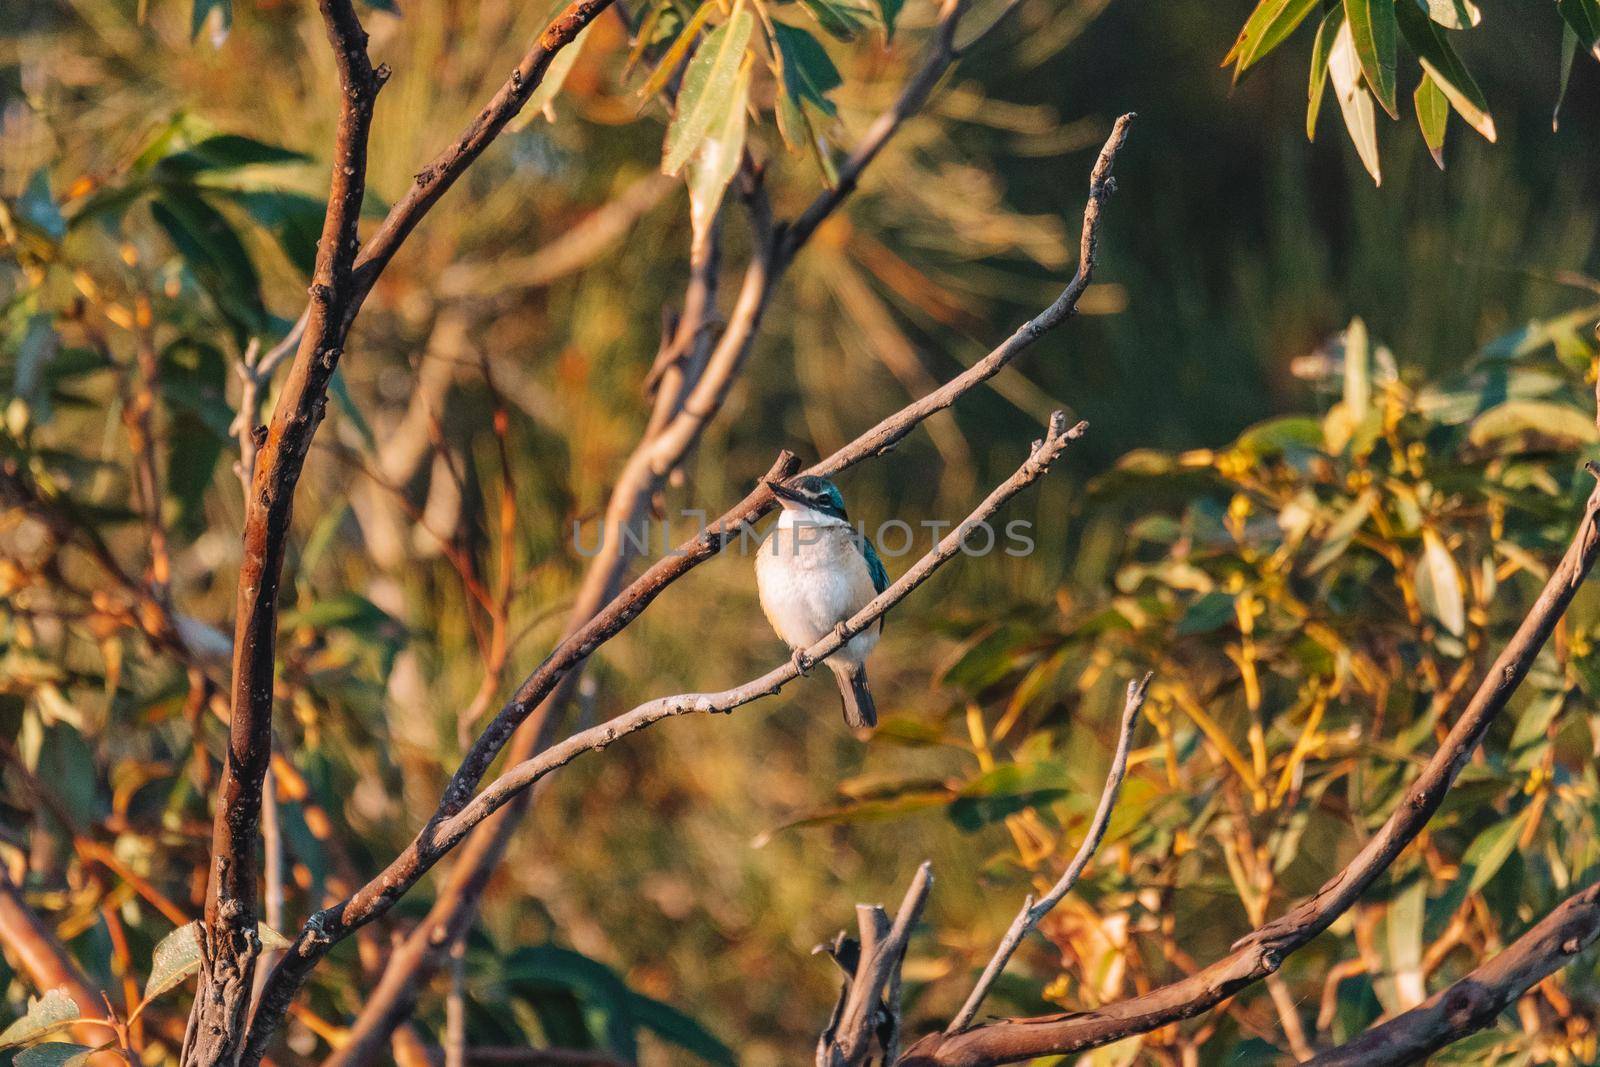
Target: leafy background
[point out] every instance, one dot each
(1314, 530)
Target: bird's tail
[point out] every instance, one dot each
(860, 713)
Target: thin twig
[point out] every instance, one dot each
(1033, 911)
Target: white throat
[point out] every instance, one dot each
(795, 515)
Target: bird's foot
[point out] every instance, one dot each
(842, 632)
(802, 662)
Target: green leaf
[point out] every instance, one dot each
(1439, 586)
(1355, 103)
(1584, 18)
(294, 220)
(193, 387)
(38, 207)
(991, 657)
(176, 957)
(1533, 425)
(1445, 67)
(715, 162)
(54, 1009)
(350, 611)
(58, 1054)
(1403, 922)
(1268, 26)
(1332, 22)
(889, 12)
(844, 19)
(680, 48)
(228, 151)
(1433, 111)
(1373, 29)
(1569, 54)
(672, 1025)
(808, 71)
(710, 79)
(1489, 852)
(1452, 14)
(215, 256)
(1275, 436)
(1006, 790)
(202, 10)
(1357, 369)
(1209, 613)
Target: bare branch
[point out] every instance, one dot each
(439, 838)
(1477, 1000)
(435, 179)
(458, 810)
(1263, 951)
(883, 950)
(229, 941)
(1032, 912)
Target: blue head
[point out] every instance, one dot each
(809, 492)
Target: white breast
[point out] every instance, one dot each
(811, 578)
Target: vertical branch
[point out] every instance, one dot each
(866, 1015)
(138, 414)
(230, 942)
(455, 1008)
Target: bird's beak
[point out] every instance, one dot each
(784, 494)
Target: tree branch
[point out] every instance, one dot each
(1032, 912)
(1263, 951)
(435, 179)
(229, 940)
(444, 828)
(1477, 1000)
(440, 835)
(848, 1041)
(35, 946)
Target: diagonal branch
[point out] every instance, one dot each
(39, 952)
(1262, 951)
(1477, 1000)
(1032, 912)
(439, 837)
(497, 793)
(435, 179)
(458, 810)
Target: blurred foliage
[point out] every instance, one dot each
(1313, 595)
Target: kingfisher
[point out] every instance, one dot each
(814, 571)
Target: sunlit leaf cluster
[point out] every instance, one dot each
(1357, 50)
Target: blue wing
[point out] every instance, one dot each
(880, 577)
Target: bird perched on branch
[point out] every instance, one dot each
(814, 571)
